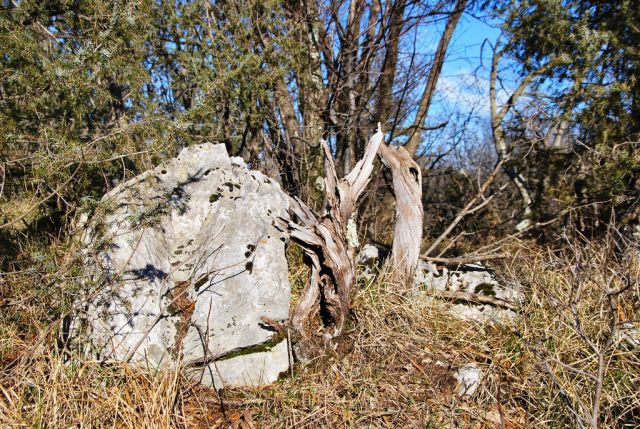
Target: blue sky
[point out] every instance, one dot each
(462, 92)
(464, 82)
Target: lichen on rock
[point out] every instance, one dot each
(169, 278)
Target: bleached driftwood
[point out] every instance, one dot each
(325, 239)
(407, 235)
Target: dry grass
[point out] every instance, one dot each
(397, 371)
(394, 370)
(583, 372)
(51, 393)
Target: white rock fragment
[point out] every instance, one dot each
(367, 253)
(470, 279)
(481, 313)
(469, 377)
(629, 335)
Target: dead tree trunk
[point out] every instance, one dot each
(330, 243)
(407, 236)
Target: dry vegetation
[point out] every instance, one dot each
(393, 369)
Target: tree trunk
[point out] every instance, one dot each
(311, 97)
(390, 63)
(407, 237)
(497, 116)
(414, 131)
(430, 86)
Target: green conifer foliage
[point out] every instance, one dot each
(93, 92)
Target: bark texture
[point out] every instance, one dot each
(328, 241)
(407, 188)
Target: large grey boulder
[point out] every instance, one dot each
(186, 267)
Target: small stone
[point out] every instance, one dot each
(367, 253)
(471, 279)
(629, 335)
(469, 377)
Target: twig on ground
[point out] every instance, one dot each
(465, 259)
(476, 298)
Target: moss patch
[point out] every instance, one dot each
(257, 348)
(485, 289)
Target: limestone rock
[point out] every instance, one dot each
(628, 335)
(470, 278)
(184, 262)
(469, 377)
(367, 253)
(251, 369)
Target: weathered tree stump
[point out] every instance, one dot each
(407, 235)
(329, 242)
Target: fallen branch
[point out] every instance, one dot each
(464, 260)
(475, 298)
